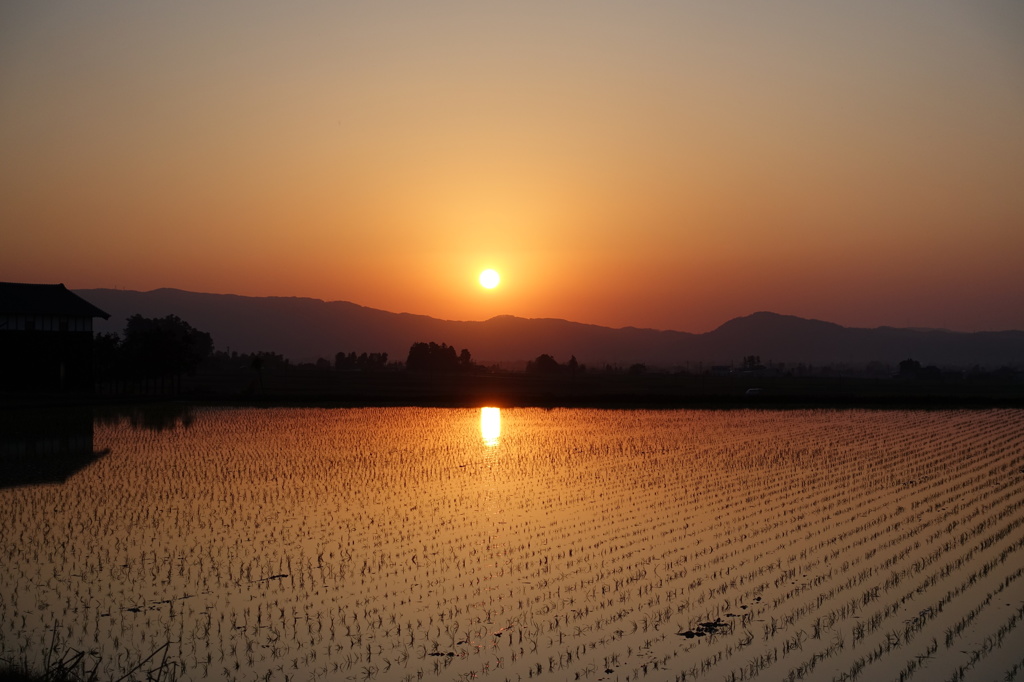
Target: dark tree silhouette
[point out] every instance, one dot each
(912, 369)
(256, 365)
(158, 348)
(364, 362)
(433, 358)
(544, 364)
(909, 368)
(752, 362)
(107, 359)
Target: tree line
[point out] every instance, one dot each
(434, 357)
(157, 352)
(154, 353)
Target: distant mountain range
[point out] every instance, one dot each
(304, 329)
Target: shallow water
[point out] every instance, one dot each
(410, 543)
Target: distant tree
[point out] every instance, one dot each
(574, 365)
(107, 357)
(909, 368)
(752, 363)
(157, 348)
(433, 357)
(543, 364)
(912, 369)
(270, 360)
(256, 365)
(364, 362)
(637, 369)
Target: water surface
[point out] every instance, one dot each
(411, 543)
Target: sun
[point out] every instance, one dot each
(489, 278)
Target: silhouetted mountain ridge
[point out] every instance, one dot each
(765, 322)
(304, 329)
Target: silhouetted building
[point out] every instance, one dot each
(45, 338)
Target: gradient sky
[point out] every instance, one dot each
(654, 164)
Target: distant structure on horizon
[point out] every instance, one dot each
(45, 338)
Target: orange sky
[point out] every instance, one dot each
(659, 164)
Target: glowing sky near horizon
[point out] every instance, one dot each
(657, 164)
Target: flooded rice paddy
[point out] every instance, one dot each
(456, 544)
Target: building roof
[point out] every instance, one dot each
(44, 299)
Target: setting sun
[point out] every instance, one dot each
(489, 279)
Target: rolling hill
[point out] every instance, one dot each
(304, 329)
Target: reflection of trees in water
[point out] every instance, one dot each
(45, 446)
(159, 417)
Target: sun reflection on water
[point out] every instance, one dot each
(490, 425)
